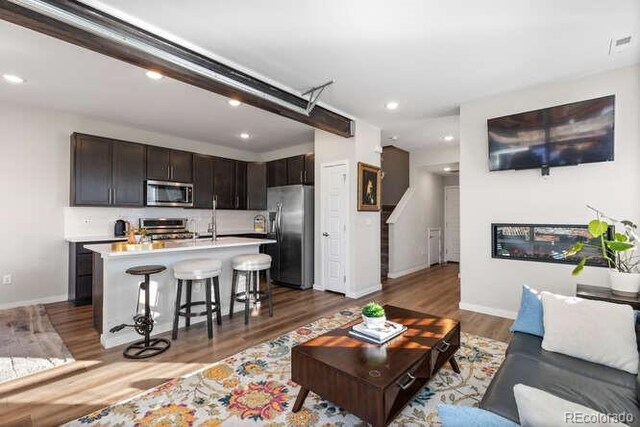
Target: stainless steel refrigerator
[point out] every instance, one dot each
(291, 224)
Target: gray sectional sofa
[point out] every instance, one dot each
(604, 389)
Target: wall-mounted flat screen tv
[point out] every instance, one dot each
(570, 134)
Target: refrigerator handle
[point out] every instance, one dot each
(279, 221)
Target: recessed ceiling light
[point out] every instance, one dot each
(391, 105)
(447, 169)
(448, 138)
(234, 102)
(13, 79)
(154, 75)
(245, 135)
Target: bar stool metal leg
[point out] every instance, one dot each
(187, 319)
(216, 294)
(176, 311)
(247, 297)
(209, 311)
(268, 274)
(234, 289)
(147, 306)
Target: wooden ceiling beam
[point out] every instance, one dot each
(319, 117)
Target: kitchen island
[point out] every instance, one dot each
(115, 293)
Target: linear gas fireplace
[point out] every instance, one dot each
(543, 243)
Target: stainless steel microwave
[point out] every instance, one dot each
(164, 193)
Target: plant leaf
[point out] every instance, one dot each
(597, 228)
(579, 267)
(574, 249)
(618, 246)
(621, 237)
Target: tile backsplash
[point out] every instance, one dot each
(80, 221)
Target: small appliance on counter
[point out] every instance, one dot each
(120, 228)
(259, 224)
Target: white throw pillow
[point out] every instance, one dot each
(597, 331)
(537, 408)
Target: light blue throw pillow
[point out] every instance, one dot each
(465, 416)
(529, 319)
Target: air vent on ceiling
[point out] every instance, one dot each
(620, 44)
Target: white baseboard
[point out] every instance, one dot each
(508, 314)
(397, 274)
(45, 300)
(362, 292)
(318, 287)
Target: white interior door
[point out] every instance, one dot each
(334, 227)
(452, 224)
(434, 248)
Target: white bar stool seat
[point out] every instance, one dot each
(252, 262)
(250, 266)
(208, 269)
(197, 269)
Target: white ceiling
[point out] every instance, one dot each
(430, 57)
(65, 77)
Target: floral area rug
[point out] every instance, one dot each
(254, 387)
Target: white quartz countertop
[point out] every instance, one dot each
(122, 249)
(77, 239)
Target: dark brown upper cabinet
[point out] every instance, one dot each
(309, 169)
(224, 186)
(106, 172)
(164, 164)
(128, 174)
(291, 171)
(257, 186)
(295, 170)
(202, 181)
(277, 173)
(241, 185)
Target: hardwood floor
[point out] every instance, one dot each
(101, 377)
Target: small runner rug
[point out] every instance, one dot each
(29, 343)
(254, 387)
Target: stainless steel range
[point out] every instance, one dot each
(166, 228)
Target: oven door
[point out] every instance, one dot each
(163, 193)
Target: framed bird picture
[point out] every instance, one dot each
(369, 187)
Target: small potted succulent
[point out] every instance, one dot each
(373, 315)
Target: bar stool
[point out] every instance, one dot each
(143, 323)
(250, 266)
(197, 269)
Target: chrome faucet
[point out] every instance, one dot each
(213, 225)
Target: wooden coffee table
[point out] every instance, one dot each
(375, 382)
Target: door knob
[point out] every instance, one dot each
(325, 234)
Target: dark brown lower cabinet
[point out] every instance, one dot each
(81, 272)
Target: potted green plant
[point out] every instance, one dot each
(373, 315)
(619, 252)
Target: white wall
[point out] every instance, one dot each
(408, 236)
(423, 210)
(364, 234)
(35, 165)
(493, 285)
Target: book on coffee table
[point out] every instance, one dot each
(378, 335)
